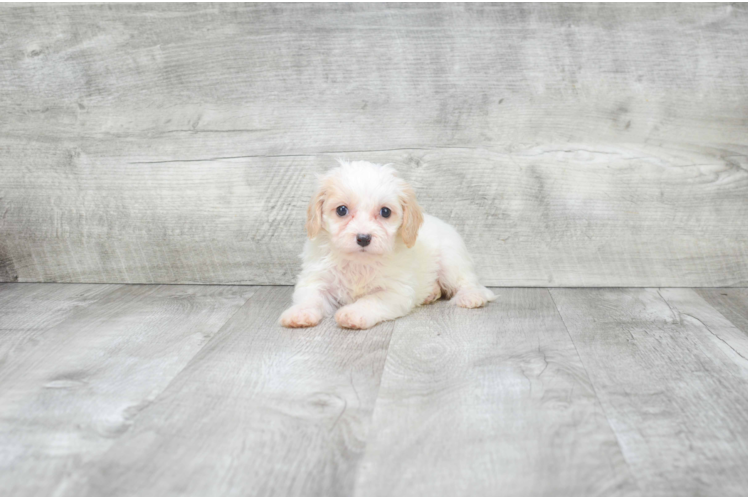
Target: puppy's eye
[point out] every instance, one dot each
(342, 210)
(385, 212)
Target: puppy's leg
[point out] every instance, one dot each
(457, 277)
(372, 309)
(436, 293)
(308, 308)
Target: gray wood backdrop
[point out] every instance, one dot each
(571, 145)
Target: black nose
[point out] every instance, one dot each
(363, 239)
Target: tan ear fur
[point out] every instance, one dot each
(314, 214)
(412, 217)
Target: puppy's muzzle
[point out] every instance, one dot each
(363, 239)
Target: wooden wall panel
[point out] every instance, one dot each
(571, 145)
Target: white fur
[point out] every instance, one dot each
(386, 279)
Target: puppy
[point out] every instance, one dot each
(373, 255)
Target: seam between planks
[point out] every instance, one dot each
(680, 313)
(354, 490)
(594, 390)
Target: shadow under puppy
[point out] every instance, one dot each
(373, 255)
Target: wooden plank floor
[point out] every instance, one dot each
(195, 390)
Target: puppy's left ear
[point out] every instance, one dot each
(412, 216)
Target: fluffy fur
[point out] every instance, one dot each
(413, 258)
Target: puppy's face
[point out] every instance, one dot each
(365, 208)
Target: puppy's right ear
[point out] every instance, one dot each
(314, 214)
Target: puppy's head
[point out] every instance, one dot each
(365, 208)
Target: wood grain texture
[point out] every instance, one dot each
(675, 398)
(690, 306)
(37, 306)
(489, 402)
(732, 304)
(572, 145)
(189, 390)
(69, 397)
(261, 410)
(27, 310)
(554, 219)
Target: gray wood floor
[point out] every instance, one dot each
(195, 390)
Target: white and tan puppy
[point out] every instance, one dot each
(374, 256)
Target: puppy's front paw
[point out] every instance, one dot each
(300, 317)
(470, 298)
(350, 317)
